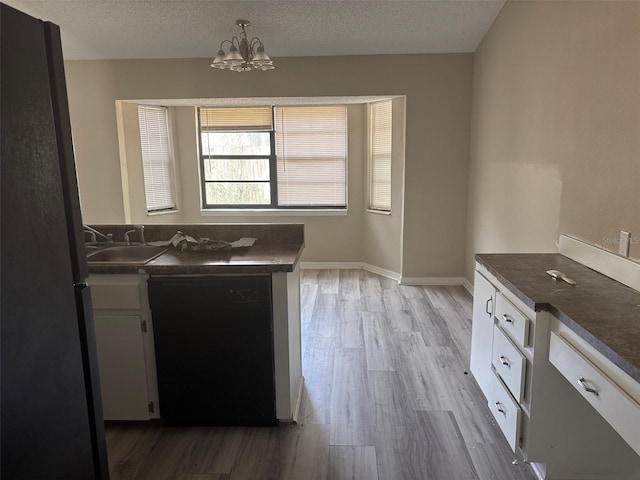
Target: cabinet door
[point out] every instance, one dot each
(123, 378)
(484, 300)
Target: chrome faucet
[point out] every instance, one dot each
(94, 233)
(140, 230)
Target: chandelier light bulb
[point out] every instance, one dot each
(233, 56)
(218, 62)
(261, 57)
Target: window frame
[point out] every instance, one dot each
(273, 171)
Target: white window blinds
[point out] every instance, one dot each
(380, 156)
(236, 119)
(311, 151)
(157, 158)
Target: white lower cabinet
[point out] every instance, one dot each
(484, 295)
(530, 375)
(508, 363)
(123, 375)
(617, 406)
(124, 340)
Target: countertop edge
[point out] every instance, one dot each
(572, 324)
(533, 305)
(220, 269)
(596, 343)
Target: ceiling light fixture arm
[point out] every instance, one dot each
(234, 41)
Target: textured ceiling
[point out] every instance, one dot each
(109, 29)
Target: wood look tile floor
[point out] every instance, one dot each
(387, 396)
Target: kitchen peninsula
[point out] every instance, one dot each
(124, 316)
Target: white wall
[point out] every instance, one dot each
(555, 131)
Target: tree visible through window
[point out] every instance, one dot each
(246, 162)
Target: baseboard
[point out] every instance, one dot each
(468, 286)
(331, 265)
(381, 271)
(350, 266)
(432, 281)
(387, 273)
(538, 470)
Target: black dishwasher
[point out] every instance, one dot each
(214, 349)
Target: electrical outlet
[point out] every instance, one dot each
(623, 246)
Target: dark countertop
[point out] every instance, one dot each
(277, 249)
(256, 259)
(602, 311)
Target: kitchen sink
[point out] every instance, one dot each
(133, 254)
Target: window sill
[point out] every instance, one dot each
(261, 212)
(162, 212)
(379, 212)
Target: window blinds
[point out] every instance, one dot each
(380, 156)
(235, 119)
(157, 158)
(311, 151)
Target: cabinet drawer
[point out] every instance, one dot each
(619, 409)
(508, 362)
(505, 410)
(116, 297)
(511, 320)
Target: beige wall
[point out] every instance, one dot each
(438, 89)
(332, 238)
(555, 130)
(327, 238)
(92, 92)
(131, 169)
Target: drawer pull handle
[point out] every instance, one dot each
(507, 318)
(499, 407)
(504, 361)
(583, 384)
(486, 306)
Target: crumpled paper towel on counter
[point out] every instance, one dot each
(188, 243)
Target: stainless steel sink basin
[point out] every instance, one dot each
(132, 254)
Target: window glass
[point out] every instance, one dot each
(238, 193)
(231, 169)
(236, 143)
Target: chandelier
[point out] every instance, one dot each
(244, 54)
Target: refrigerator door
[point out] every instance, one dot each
(91, 378)
(65, 152)
(45, 420)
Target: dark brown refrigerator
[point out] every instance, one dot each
(51, 421)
